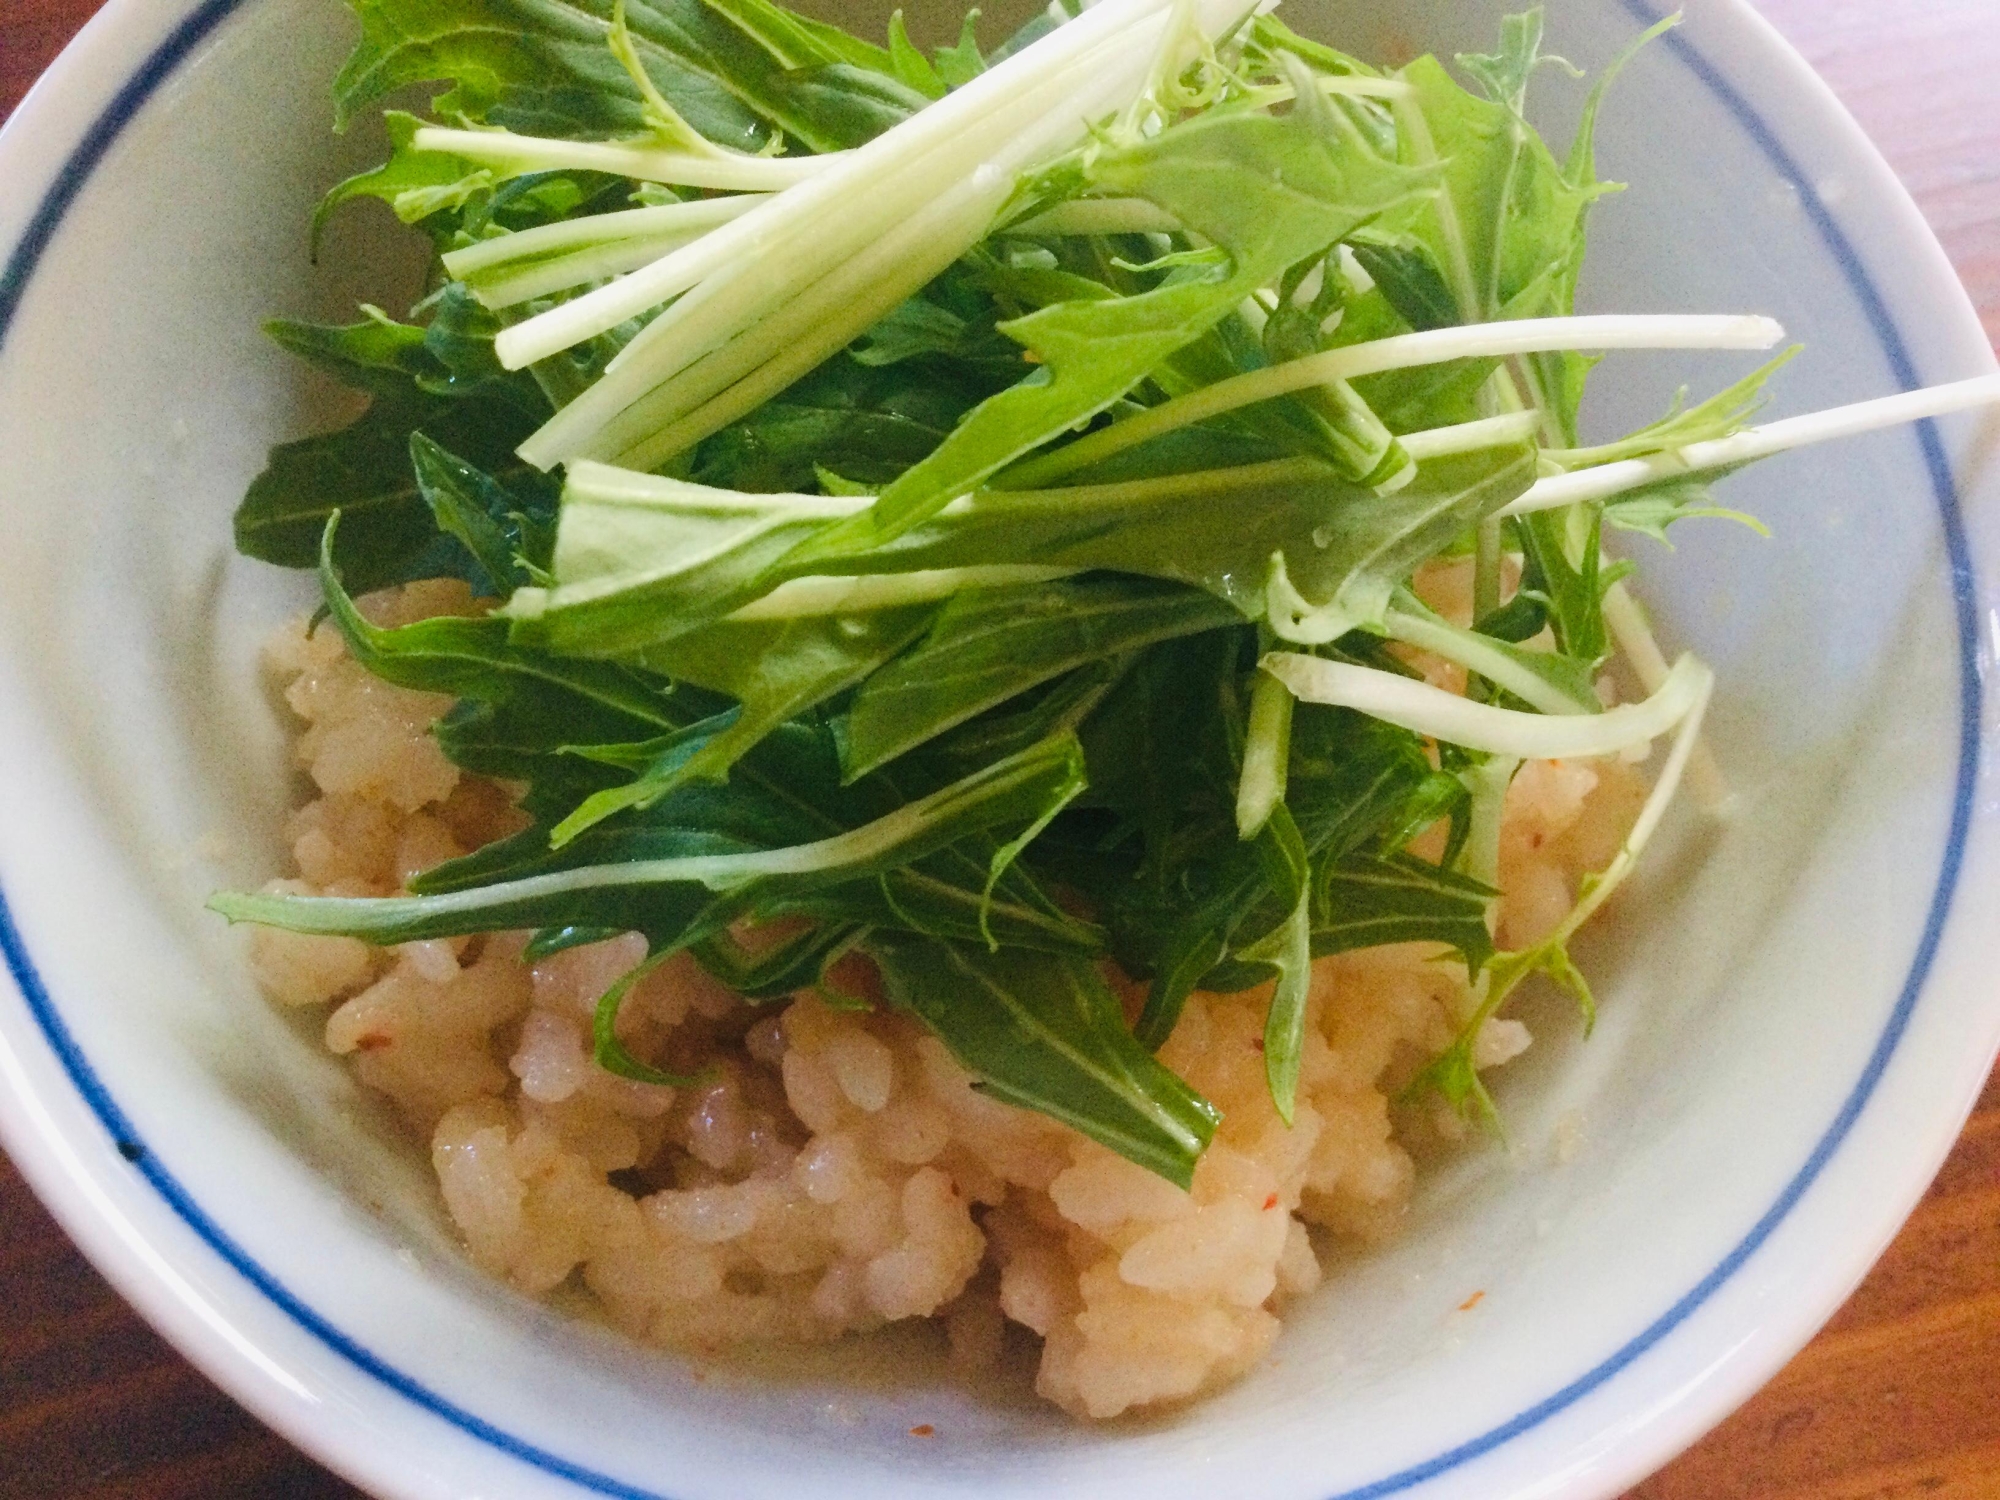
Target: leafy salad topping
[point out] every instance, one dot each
(990, 492)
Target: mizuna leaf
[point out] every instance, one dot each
(472, 657)
(778, 669)
(736, 71)
(676, 882)
(640, 558)
(511, 536)
(1046, 1033)
(1366, 901)
(991, 644)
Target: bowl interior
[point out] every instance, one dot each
(1745, 986)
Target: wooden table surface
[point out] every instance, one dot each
(1899, 1398)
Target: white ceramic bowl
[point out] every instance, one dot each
(1796, 1016)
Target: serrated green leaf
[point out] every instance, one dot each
(777, 669)
(736, 71)
(676, 880)
(1721, 415)
(415, 184)
(1650, 510)
(1046, 1033)
(1564, 573)
(960, 63)
(511, 536)
(472, 657)
(990, 645)
(1366, 901)
(909, 64)
(1287, 951)
(639, 559)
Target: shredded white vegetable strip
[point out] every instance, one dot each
(719, 169)
(1469, 650)
(597, 229)
(497, 290)
(796, 254)
(818, 284)
(764, 359)
(1426, 710)
(1405, 351)
(1470, 437)
(816, 595)
(1606, 480)
(1599, 888)
(849, 203)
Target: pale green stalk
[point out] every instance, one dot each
(1169, 56)
(1497, 981)
(1598, 888)
(1267, 748)
(1332, 85)
(634, 402)
(735, 297)
(769, 355)
(1488, 783)
(1634, 634)
(595, 229)
(1404, 351)
(821, 595)
(1480, 858)
(1607, 480)
(1416, 131)
(864, 262)
(594, 482)
(719, 305)
(1470, 650)
(857, 847)
(1426, 710)
(799, 356)
(1470, 437)
(499, 290)
(1485, 568)
(607, 484)
(729, 171)
(851, 200)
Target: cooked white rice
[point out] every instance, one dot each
(840, 1172)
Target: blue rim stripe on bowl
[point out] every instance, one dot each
(97, 140)
(201, 22)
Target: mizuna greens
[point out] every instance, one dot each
(990, 492)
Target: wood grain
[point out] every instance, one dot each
(1898, 1399)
